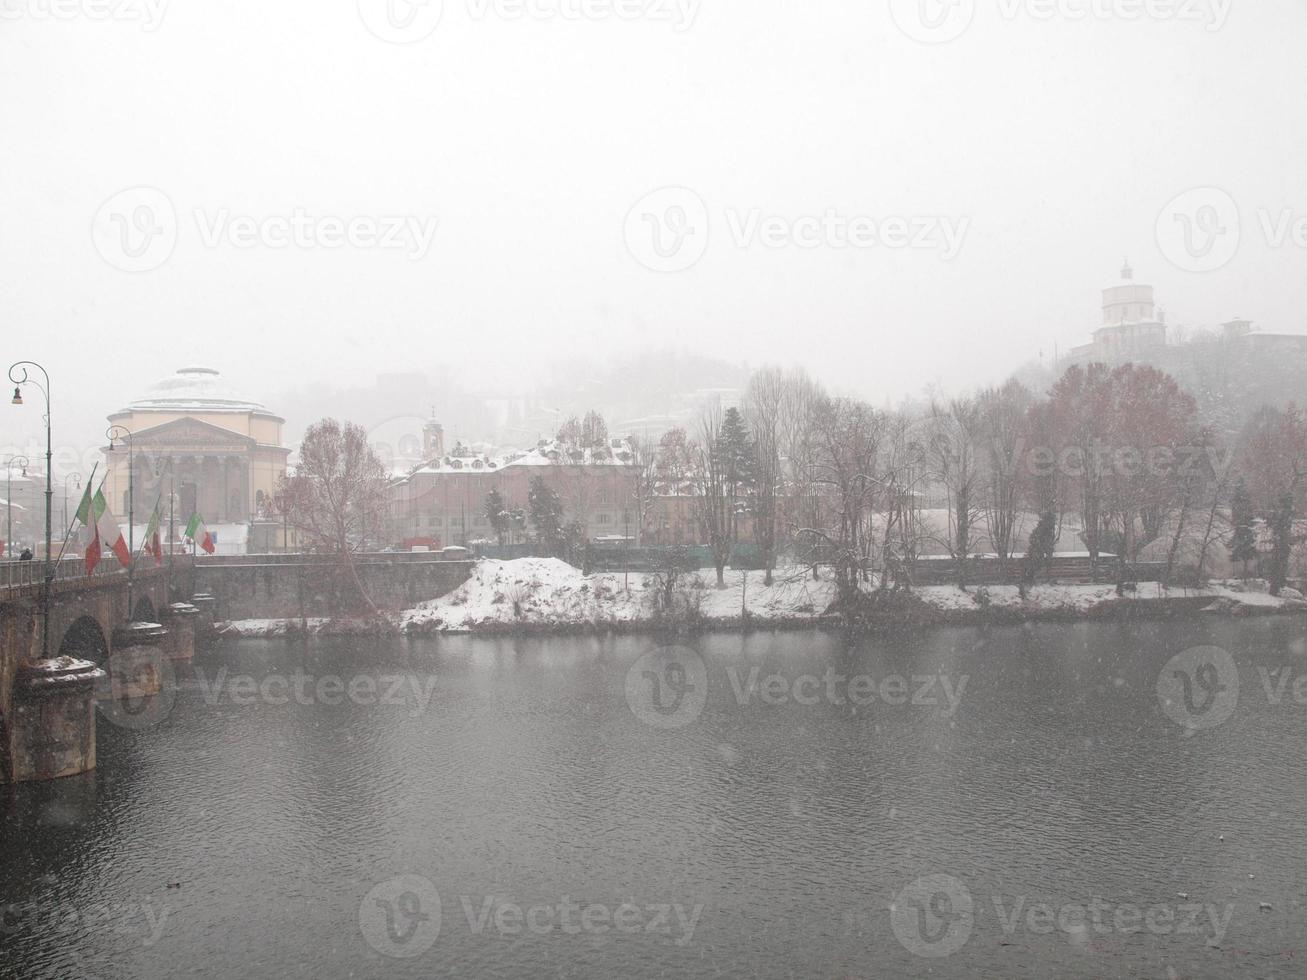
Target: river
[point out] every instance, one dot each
(1014, 802)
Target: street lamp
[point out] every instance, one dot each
(78, 480)
(23, 463)
(122, 432)
(19, 376)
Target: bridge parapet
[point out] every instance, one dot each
(297, 586)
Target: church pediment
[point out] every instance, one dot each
(187, 435)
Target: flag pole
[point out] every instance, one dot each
(69, 533)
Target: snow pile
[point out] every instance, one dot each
(546, 591)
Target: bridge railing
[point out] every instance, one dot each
(27, 574)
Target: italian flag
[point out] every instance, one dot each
(94, 514)
(152, 545)
(199, 534)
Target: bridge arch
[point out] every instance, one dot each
(84, 639)
(144, 611)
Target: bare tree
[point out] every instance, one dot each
(848, 435)
(952, 454)
(764, 404)
(336, 499)
(714, 501)
(1004, 428)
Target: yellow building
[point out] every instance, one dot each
(220, 453)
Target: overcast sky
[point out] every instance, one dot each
(1028, 155)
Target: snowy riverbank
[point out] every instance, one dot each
(545, 594)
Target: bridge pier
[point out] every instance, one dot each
(53, 719)
(48, 707)
(179, 645)
(136, 663)
(207, 607)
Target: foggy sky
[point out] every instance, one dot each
(1057, 142)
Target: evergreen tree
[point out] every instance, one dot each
(738, 454)
(547, 516)
(1282, 538)
(1243, 543)
(498, 516)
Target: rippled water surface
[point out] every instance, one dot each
(511, 823)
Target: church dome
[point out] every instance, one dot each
(194, 389)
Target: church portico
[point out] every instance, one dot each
(198, 447)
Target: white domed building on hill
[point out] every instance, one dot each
(200, 441)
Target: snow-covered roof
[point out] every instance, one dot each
(549, 452)
(194, 389)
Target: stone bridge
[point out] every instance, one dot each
(296, 586)
(47, 704)
(85, 611)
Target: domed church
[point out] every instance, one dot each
(196, 438)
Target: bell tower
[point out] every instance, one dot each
(433, 438)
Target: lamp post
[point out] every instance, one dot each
(115, 432)
(78, 480)
(19, 376)
(23, 463)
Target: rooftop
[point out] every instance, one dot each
(194, 389)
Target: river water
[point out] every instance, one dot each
(1016, 802)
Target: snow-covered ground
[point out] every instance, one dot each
(546, 591)
(543, 592)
